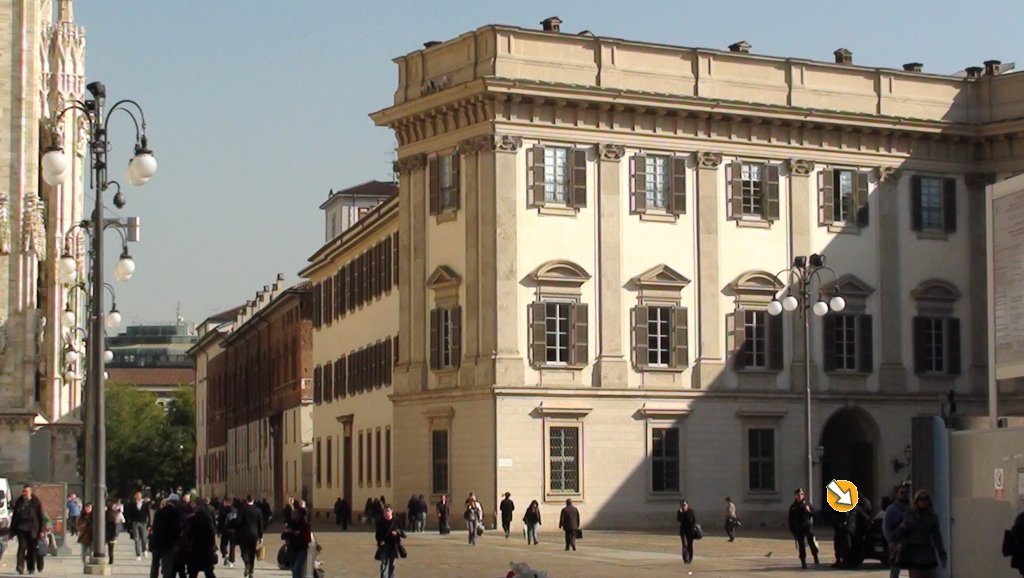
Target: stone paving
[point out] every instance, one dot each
(600, 555)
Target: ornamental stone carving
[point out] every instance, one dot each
(476, 144)
(33, 230)
(612, 152)
(886, 174)
(5, 224)
(709, 160)
(801, 167)
(507, 144)
(410, 163)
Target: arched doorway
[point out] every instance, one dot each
(850, 440)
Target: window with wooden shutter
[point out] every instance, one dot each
(771, 193)
(357, 283)
(826, 197)
(455, 192)
(775, 341)
(364, 279)
(339, 295)
(578, 180)
(350, 373)
(861, 200)
(677, 198)
(829, 343)
(916, 216)
(456, 337)
(949, 204)
(329, 300)
(434, 189)
(952, 349)
(339, 378)
(371, 273)
(327, 383)
(580, 335)
(394, 246)
(734, 190)
(388, 273)
(317, 378)
(435, 339)
(640, 337)
(865, 344)
(680, 338)
(538, 183)
(389, 360)
(741, 344)
(316, 306)
(538, 334)
(639, 194)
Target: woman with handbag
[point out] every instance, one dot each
(389, 543)
(532, 520)
(921, 549)
(474, 519)
(731, 520)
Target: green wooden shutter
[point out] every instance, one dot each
(953, 362)
(435, 339)
(865, 344)
(640, 336)
(580, 335)
(578, 178)
(828, 335)
(775, 341)
(680, 338)
(826, 198)
(861, 199)
(639, 183)
(537, 190)
(949, 204)
(734, 189)
(677, 198)
(920, 347)
(434, 190)
(457, 336)
(771, 192)
(915, 203)
(739, 338)
(538, 333)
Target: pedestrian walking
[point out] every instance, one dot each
(286, 512)
(85, 532)
(507, 506)
(687, 530)
(136, 514)
(1017, 544)
(346, 514)
(921, 548)
(421, 512)
(474, 517)
(337, 511)
(167, 530)
(443, 514)
(202, 544)
(732, 521)
(532, 520)
(249, 532)
(368, 513)
(111, 516)
(227, 524)
(569, 522)
(412, 507)
(264, 507)
(297, 536)
(74, 506)
(119, 518)
(389, 543)
(27, 525)
(891, 526)
(801, 519)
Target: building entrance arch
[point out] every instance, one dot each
(850, 440)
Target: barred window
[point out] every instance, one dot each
(761, 459)
(665, 459)
(564, 459)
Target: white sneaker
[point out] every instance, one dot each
(231, 564)
(145, 555)
(138, 558)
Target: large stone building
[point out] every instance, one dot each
(589, 231)
(42, 68)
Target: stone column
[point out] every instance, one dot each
(977, 372)
(892, 374)
(801, 202)
(611, 369)
(711, 361)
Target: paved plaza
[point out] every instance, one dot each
(600, 555)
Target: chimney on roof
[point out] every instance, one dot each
(743, 47)
(973, 71)
(585, 33)
(913, 67)
(431, 43)
(992, 67)
(843, 56)
(553, 24)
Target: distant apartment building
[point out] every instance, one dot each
(344, 208)
(153, 357)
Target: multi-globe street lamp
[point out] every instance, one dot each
(55, 170)
(796, 293)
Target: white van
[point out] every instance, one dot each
(6, 500)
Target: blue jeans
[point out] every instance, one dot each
(139, 531)
(531, 534)
(387, 568)
(299, 562)
(472, 530)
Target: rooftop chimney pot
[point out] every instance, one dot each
(992, 67)
(553, 24)
(430, 43)
(913, 67)
(973, 71)
(843, 56)
(743, 47)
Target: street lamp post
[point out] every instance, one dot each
(140, 169)
(800, 276)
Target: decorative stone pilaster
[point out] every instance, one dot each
(801, 204)
(711, 361)
(977, 288)
(892, 373)
(611, 369)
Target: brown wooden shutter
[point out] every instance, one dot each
(457, 336)
(775, 341)
(916, 218)
(771, 193)
(734, 189)
(580, 352)
(396, 255)
(374, 256)
(739, 339)
(677, 180)
(388, 364)
(949, 204)
(329, 300)
(680, 338)
(865, 344)
(826, 198)
(953, 346)
(538, 333)
(396, 351)
(316, 306)
(350, 371)
(364, 275)
(356, 283)
(578, 178)
(828, 335)
(537, 191)
(435, 339)
(387, 264)
(339, 294)
(434, 190)
(861, 199)
(456, 181)
(340, 377)
(316, 384)
(639, 183)
(640, 336)
(327, 387)
(920, 346)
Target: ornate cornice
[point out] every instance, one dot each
(410, 163)
(507, 144)
(612, 152)
(709, 160)
(801, 167)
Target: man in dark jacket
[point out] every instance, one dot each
(226, 525)
(800, 525)
(687, 530)
(569, 522)
(507, 506)
(1017, 533)
(136, 516)
(166, 532)
(27, 524)
(249, 532)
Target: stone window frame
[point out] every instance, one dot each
(445, 284)
(578, 169)
(949, 207)
(856, 293)
(660, 286)
(936, 299)
(771, 203)
(440, 418)
(664, 417)
(561, 281)
(751, 419)
(555, 416)
(435, 195)
(753, 291)
(860, 217)
(677, 166)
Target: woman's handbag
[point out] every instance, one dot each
(479, 530)
(379, 554)
(402, 552)
(698, 532)
(579, 534)
(261, 552)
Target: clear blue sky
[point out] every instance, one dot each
(257, 107)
